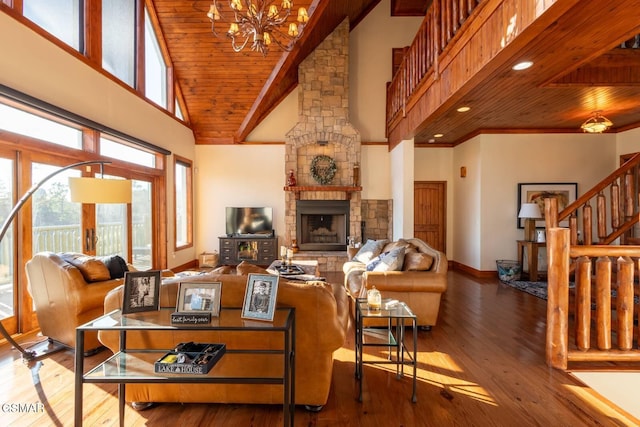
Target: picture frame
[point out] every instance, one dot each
(141, 291)
(199, 297)
(260, 297)
(536, 192)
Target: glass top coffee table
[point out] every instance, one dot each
(392, 336)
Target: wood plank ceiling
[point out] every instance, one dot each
(226, 93)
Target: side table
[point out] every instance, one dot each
(391, 337)
(532, 254)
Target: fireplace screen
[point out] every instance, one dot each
(322, 224)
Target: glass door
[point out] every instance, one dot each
(112, 228)
(7, 279)
(142, 225)
(56, 221)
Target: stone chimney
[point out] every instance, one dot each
(323, 128)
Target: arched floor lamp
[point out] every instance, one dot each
(83, 190)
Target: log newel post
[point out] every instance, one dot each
(558, 297)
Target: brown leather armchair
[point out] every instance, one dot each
(64, 299)
(421, 290)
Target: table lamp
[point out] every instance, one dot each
(530, 212)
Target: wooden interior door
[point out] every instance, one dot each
(430, 213)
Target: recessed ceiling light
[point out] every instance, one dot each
(463, 109)
(438, 135)
(522, 65)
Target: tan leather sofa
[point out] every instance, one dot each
(64, 299)
(322, 316)
(421, 290)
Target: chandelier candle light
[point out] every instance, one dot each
(258, 20)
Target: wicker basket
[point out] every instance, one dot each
(508, 270)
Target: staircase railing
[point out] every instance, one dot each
(442, 22)
(616, 203)
(601, 323)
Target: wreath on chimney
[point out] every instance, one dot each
(323, 169)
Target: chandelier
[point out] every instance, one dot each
(596, 123)
(259, 21)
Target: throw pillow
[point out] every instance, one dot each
(244, 268)
(370, 250)
(92, 269)
(371, 265)
(416, 261)
(391, 261)
(116, 264)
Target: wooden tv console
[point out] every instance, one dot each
(255, 250)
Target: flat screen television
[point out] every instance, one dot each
(246, 221)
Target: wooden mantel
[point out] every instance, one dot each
(346, 188)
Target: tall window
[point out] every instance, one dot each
(28, 124)
(183, 202)
(61, 18)
(155, 68)
(126, 153)
(119, 39)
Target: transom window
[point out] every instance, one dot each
(120, 151)
(61, 18)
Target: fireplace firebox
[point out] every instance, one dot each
(321, 225)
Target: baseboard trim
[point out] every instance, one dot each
(490, 274)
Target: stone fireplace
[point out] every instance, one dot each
(323, 128)
(322, 225)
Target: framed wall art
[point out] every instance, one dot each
(260, 297)
(141, 291)
(199, 297)
(534, 192)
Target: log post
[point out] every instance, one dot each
(624, 303)
(583, 303)
(603, 302)
(587, 224)
(558, 297)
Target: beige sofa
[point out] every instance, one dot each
(322, 316)
(420, 283)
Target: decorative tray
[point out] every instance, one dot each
(289, 269)
(190, 358)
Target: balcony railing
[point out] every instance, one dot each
(443, 21)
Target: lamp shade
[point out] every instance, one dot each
(530, 210)
(99, 190)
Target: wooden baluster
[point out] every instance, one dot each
(615, 205)
(583, 303)
(462, 16)
(603, 303)
(587, 224)
(454, 16)
(624, 303)
(550, 213)
(602, 216)
(558, 298)
(629, 192)
(573, 226)
(471, 4)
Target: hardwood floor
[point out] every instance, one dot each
(482, 365)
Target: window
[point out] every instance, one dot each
(24, 123)
(179, 111)
(126, 153)
(7, 285)
(61, 18)
(119, 39)
(183, 198)
(155, 68)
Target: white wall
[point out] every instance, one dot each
(628, 142)
(486, 200)
(402, 171)
(370, 47)
(228, 175)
